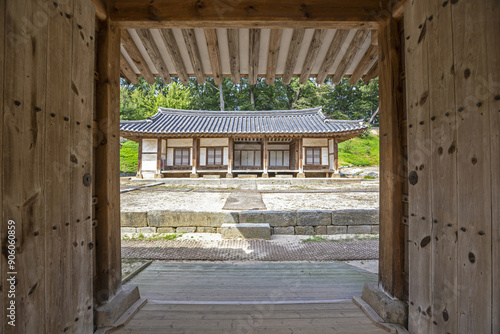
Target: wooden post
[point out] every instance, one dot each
(301, 159)
(139, 160)
(391, 166)
(108, 290)
(230, 158)
(335, 156)
(194, 161)
(264, 157)
(158, 174)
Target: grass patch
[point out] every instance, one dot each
(356, 237)
(152, 237)
(128, 157)
(360, 151)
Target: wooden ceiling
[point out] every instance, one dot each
(248, 52)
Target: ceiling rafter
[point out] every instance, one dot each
(372, 73)
(293, 53)
(172, 47)
(273, 54)
(363, 64)
(194, 54)
(155, 55)
(127, 71)
(253, 59)
(331, 55)
(352, 50)
(233, 39)
(136, 56)
(312, 54)
(214, 54)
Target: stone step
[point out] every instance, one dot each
(246, 231)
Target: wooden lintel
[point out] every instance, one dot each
(336, 14)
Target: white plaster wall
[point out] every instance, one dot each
(180, 142)
(210, 142)
(149, 162)
(315, 142)
(149, 145)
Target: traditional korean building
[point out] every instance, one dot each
(180, 143)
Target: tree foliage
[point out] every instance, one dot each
(341, 101)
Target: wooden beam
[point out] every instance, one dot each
(100, 9)
(336, 14)
(233, 39)
(214, 54)
(194, 54)
(331, 54)
(397, 8)
(361, 68)
(374, 37)
(253, 58)
(154, 53)
(372, 73)
(136, 56)
(312, 53)
(352, 50)
(392, 174)
(272, 58)
(293, 53)
(127, 71)
(173, 49)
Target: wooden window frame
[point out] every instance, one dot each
(183, 150)
(282, 158)
(306, 160)
(255, 154)
(221, 148)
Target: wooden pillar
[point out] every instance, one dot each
(194, 160)
(391, 160)
(158, 173)
(335, 156)
(230, 158)
(108, 290)
(139, 160)
(301, 159)
(264, 157)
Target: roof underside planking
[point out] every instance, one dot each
(247, 52)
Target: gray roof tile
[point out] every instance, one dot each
(305, 121)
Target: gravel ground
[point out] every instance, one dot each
(363, 195)
(282, 249)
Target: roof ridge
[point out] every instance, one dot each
(238, 112)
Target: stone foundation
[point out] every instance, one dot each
(300, 222)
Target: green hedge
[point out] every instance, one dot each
(360, 151)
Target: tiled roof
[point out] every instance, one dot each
(175, 122)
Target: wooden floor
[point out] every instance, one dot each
(251, 298)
